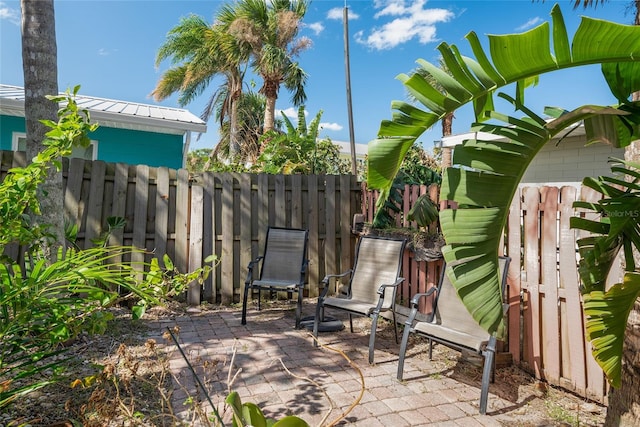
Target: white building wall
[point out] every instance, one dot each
(570, 161)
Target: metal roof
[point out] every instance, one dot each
(116, 114)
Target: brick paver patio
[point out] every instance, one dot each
(317, 384)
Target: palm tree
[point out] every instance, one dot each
(250, 123)
(40, 69)
(200, 52)
(270, 30)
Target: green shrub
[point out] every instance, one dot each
(46, 302)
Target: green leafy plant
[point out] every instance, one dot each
(607, 310)
(299, 151)
(249, 414)
(486, 173)
(18, 190)
(417, 169)
(46, 302)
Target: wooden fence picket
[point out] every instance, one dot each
(314, 244)
(549, 284)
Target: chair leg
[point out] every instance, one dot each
(489, 354)
(395, 325)
(244, 304)
(351, 323)
(316, 322)
(430, 349)
(403, 349)
(372, 336)
(259, 294)
(299, 308)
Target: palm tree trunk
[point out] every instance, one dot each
(234, 143)
(447, 125)
(270, 114)
(40, 69)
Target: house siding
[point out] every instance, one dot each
(139, 147)
(9, 125)
(116, 145)
(570, 161)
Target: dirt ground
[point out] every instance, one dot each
(122, 379)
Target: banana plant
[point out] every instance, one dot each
(485, 175)
(615, 229)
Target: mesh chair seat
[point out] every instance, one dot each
(282, 267)
(347, 304)
(452, 325)
(445, 334)
(274, 284)
(372, 284)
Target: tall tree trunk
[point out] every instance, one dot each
(447, 129)
(270, 114)
(270, 91)
(40, 68)
(234, 143)
(624, 403)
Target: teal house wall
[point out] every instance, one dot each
(116, 145)
(128, 132)
(9, 125)
(139, 147)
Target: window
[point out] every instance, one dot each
(19, 143)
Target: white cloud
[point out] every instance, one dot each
(330, 126)
(409, 20)
(337, 12)
(11, 15)
(106, 52)
(316, 27)
(292, 114)
(530, 23)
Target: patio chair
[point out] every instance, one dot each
(451, 324)
(282, 267)
(373, 281)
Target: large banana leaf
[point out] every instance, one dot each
(607, 310)
(514, 58)
(607, 314)
(486, 173)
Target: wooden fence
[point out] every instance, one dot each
(226, 214)
(546, 305)
(545, 318)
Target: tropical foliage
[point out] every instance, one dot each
(270, 32)
(249, 33)
(199, 52)
(615, 229)
(486, 173)
(418, 168)
(299, 150)
(250, 414)
(45, 301)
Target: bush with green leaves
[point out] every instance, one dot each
(299, 151)
(418, 168)
(46, 302)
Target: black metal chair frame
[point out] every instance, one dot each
(486, 348)
(371, 305)
(276, 283)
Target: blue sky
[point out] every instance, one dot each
(109, 48)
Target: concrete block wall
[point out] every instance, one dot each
(570, 161)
